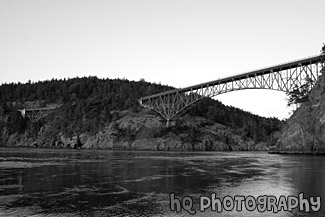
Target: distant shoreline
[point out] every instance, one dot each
(297, 153)
(136, 150)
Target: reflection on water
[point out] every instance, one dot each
(38, 182)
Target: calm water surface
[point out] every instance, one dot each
(38, 182)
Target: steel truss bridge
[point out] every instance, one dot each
(283, 77)
(36, 114)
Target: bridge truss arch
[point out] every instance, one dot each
(36, 114)
(283, 77)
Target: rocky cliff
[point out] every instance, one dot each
(147, 132)
(305, 129)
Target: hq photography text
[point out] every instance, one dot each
(262, 203)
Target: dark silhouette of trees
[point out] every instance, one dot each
(300, 94)
(256, 127)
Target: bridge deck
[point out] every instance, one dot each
(41, 109)
(276, 68)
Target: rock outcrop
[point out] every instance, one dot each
(305, 129)
(147, 132)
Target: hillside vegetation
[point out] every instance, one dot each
(94, 110)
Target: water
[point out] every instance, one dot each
(39, 182)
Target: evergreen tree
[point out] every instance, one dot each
(300, 94)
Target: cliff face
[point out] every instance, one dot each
(305, 129)
(147, 132)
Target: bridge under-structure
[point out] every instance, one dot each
(35, 114)
(283, 77)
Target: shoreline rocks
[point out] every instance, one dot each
(146, 132)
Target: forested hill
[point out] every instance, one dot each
(90, 104)
(86, 103)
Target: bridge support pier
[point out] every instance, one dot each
(167, 123)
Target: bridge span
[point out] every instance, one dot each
(35, 114)
(282, 77)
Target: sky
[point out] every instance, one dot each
(173, 42)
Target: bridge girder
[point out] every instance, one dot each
(283, 77)
(35, 115)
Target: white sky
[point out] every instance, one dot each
(175, 42)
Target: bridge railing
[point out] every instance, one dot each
(42, 109)
(265, 68)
